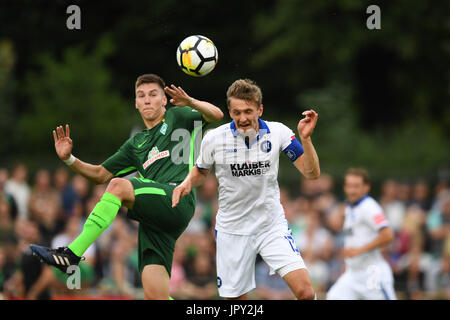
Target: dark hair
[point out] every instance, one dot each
(360, 172)
(150, 78)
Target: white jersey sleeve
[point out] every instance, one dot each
(374, 216)
(289, 143)
(286, 136)
(205, 158)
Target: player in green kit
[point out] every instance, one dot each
(156, 157)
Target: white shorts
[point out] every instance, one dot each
(374, 282)
(236, 256)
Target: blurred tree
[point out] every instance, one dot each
(394, 81)
(399, 73)
(76, 91)
(382, 95)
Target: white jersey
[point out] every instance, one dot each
(249, 195)
(363, 221)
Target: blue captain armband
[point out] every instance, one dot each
(294, 150)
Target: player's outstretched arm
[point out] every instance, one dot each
(180, 98)
(63, 146)
(308, 162)
(195, 178)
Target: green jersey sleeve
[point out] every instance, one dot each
(190, 117)
(121, 163)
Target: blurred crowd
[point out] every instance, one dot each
(49, 208)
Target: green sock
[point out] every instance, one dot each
(100, 218)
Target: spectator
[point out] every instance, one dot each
(419, 197)
(66, 191)
(5, 196)
(55, 279)
(316, 245)
(4, 176)
(207, 200)
(117, 247)
(405, 256)
(404, 192)
(17, 187)
(206, 207)
(2, 275)
(420, 255)
(443, 279)
(203, 281)
(179, 287)
(81, 187)
(334, 224)
(438, 225)
(441, 191)
(45, 206)
(296, 215)
(393, 208)
(30, 268)
(415, 278)
(6, 222)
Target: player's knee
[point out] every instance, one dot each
(305, 293)
(119, 187)
(153, 293)
(115, 185)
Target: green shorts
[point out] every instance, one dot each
(160, 225)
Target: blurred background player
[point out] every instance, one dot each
(367, 275)
(148, 198)
(245, 155)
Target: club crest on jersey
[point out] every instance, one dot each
(266, 146)
(163, 128)
(154, 155)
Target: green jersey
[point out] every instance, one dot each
(163, 157)
(160, 153)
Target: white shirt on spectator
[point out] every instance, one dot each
(21, 193)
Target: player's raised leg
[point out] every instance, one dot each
(118, 191)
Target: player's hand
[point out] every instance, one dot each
(182, 190)
(350, 252)
(179, 97)
(63, 143)
(307, 124)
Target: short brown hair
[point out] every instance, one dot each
(245, 89)
(360, 172)
(150, 78)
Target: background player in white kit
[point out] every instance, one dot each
(250, 219)
(367, 274)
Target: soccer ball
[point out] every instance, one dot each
(197, 56)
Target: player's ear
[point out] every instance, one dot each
(261, 109)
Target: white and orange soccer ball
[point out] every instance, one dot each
(197, 55)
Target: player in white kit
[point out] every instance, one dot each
(250, 219)
(367, 275)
